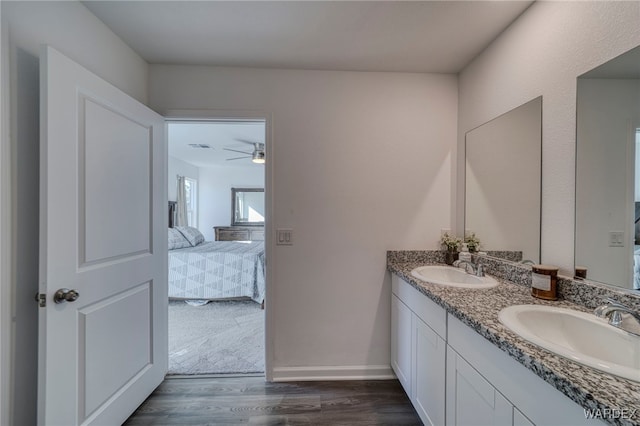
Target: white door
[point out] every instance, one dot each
(103, 233)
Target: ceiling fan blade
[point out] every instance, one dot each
(236, 158)
(247, 141)
(235, 150)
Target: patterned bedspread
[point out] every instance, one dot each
(218, 270)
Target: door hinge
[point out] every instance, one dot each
(41, 299)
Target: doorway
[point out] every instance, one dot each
(217, 278)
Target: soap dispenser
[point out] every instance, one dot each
(464, 253)
(544, 282)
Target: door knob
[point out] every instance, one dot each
(65, 295)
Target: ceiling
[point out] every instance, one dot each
(217, 135)
(402, 36)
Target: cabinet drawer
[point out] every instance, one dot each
(233, 236)
(237, 233)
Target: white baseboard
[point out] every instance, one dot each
(349, 372)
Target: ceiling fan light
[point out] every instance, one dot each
(258, 157)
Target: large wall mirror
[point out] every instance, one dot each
(503, 183)
(247, 206)
(607, 242)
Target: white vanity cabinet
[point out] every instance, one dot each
(454, 376)
(418, 350)
(484, 382)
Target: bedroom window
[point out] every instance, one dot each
(191, 198)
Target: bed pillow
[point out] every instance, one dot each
(177, 240)
(192, 235)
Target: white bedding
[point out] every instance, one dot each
(218, 270)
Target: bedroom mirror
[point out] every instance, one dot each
(607, 238)
(247, 206)
(503, 183)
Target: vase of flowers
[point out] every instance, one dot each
(473, 242)
(452, 246)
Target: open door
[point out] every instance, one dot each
(103, 249)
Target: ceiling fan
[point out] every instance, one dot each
(257, 156)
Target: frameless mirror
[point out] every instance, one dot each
(503, 183)
(607, 243)
(247, 206)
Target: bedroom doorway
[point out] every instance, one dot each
(217, 210)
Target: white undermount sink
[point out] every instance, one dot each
(453, 277)
(579, 336)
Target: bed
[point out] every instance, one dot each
(209, 270)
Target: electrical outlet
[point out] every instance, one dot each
(616, 239)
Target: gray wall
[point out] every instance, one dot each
(362, 163)
(542, 53)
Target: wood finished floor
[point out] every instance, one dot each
(252, 401)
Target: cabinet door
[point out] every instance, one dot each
(401, 342)
(429, 358)
(519, 419)
(471, 400)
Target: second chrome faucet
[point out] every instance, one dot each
(476, 270)
(619, 315)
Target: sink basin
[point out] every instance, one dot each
(579, 336)
(453, 277)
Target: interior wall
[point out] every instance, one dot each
(606, 110)
(361, 163)
(542, 53)
(71, 28)
(214, 194)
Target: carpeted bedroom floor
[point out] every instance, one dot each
(217, 338)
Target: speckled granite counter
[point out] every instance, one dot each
(479, 309)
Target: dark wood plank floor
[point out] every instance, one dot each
(251, 400)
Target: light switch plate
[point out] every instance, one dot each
(284, 237)
(616, 239)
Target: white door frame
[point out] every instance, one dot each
(219, 115)
(6, 207)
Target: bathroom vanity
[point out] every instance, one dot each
(459, 365)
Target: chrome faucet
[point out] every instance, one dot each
(613, 310)
(476, 270)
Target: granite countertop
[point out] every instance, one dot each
(479, 309)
